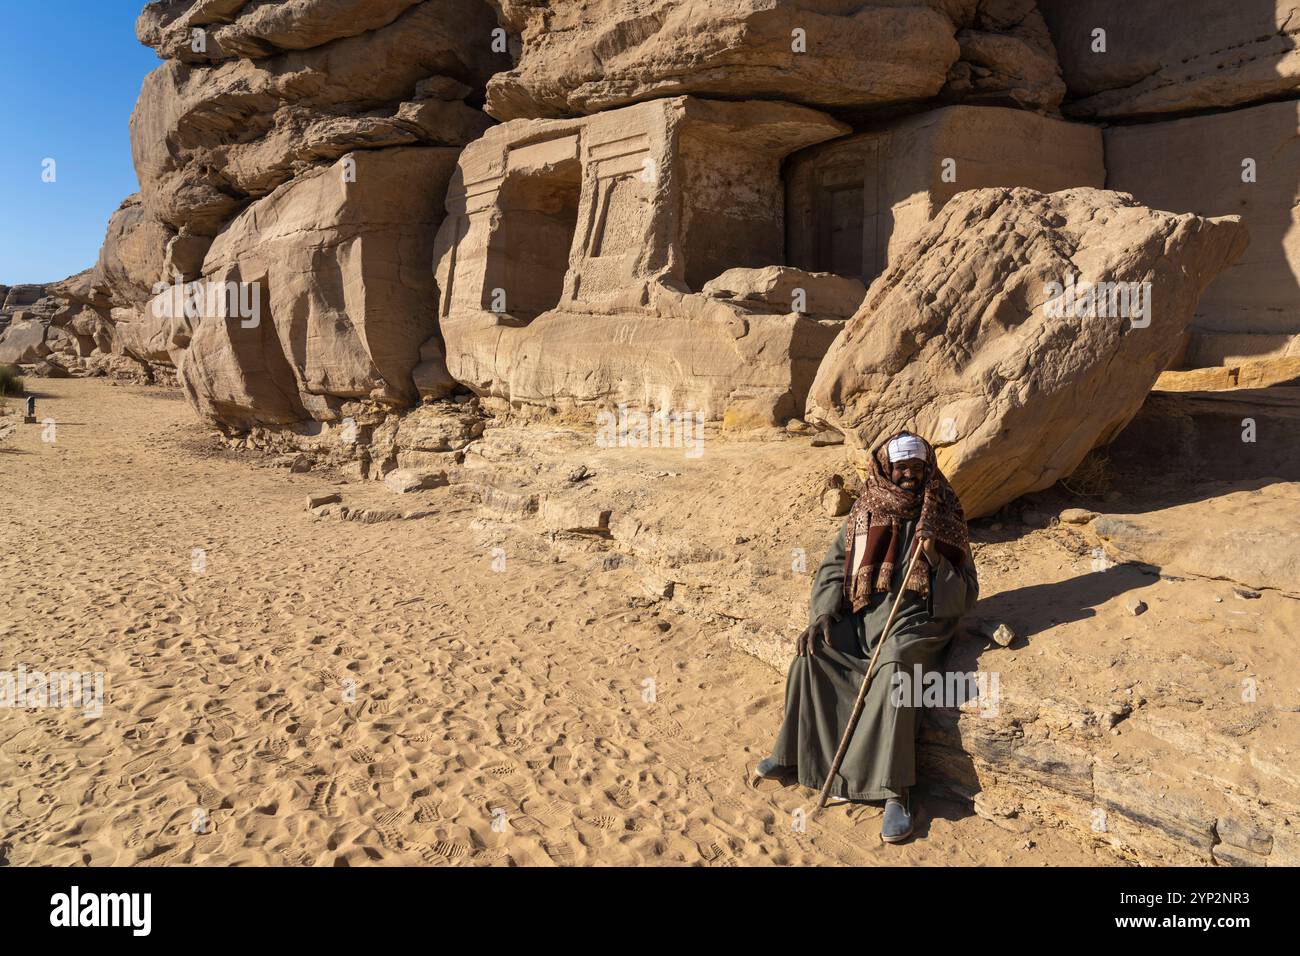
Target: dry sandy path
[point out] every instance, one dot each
(475, 693)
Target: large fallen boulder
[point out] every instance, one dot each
(583, 56)
(331, 272)
(994, 336)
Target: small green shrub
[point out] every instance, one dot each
(11, 380)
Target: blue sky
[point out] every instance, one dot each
(70, 72)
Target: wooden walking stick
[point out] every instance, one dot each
(862, 691)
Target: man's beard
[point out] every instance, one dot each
(912, 486)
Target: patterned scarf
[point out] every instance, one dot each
(877, 513)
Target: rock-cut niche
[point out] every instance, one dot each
(528, 253)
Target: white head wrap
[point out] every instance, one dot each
(907, 446)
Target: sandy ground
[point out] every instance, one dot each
(335, 693)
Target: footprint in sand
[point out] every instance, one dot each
(273, 751)
(553, 814)
(385, 824)
(205, 795)
(451, 849)
(561, 854)
(428, 854)
(219, 726)
(302, 768)
(603, 822)
(621, 797)
(427, 810)
(323, 798)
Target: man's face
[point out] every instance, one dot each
(908, 474)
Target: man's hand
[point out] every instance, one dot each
(806, 645)
(930, 549)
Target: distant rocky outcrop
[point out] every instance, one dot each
(252, 97)
(23, 342)
(53, 330)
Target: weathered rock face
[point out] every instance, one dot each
(81, 313)
(159, 332)
(312, 81)
(783, 289)
(955, 339)
(582, 56)
(571, 250)
(336, 265)
(1247, 164)
(254, 96)
(1241, 548)
(132, 259)
(854, 204)
(1172, 56)
(1007, 55)
(215, 30)
(23, 342)
(1200, 434)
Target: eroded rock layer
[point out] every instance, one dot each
(1164, 57)
(581, 56)
(210, 133)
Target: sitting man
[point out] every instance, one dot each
(906, 496)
